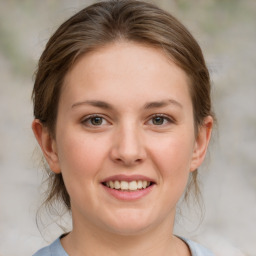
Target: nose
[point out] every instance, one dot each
(128, 146)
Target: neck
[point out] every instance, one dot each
(87, 240)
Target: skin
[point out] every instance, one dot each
(145, 127)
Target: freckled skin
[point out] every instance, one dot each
(126, 76)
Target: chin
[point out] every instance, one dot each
(129, 224)
(129, 230)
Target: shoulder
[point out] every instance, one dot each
(197, 249)
(54, 249)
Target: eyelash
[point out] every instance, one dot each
(166, 119)
(88, 120)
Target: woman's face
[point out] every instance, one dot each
(125, 141)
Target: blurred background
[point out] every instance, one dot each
(226, 31)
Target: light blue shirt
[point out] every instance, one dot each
(56, 249)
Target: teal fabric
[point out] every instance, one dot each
(56, 249)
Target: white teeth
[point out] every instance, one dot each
(117, 185)
(125, 185)
(139, 184)
(133, 185)
(111, 184)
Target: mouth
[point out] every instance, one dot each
(128, 186)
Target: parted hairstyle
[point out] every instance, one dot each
(104, 23)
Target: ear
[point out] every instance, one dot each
(201, 143)
(47, 144)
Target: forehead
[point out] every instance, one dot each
(125, 69)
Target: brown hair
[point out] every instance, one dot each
(101, 24)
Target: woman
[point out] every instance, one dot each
(123, 116)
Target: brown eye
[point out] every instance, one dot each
(96, 120)
(158, 120)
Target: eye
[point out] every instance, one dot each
(159, 120)
(94, 120)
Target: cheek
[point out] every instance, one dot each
(173, 151)
(80, 161)
(172, 156)
(80, 156)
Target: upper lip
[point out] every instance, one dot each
(128, 178)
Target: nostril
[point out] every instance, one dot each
(128, 149)
(128, 160)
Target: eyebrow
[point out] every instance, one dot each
(149, 105)
(95, 103)
(163, 103)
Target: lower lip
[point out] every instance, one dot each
(129, 195)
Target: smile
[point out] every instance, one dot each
(127, 186)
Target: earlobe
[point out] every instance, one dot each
(201, 144)
(47, 144)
